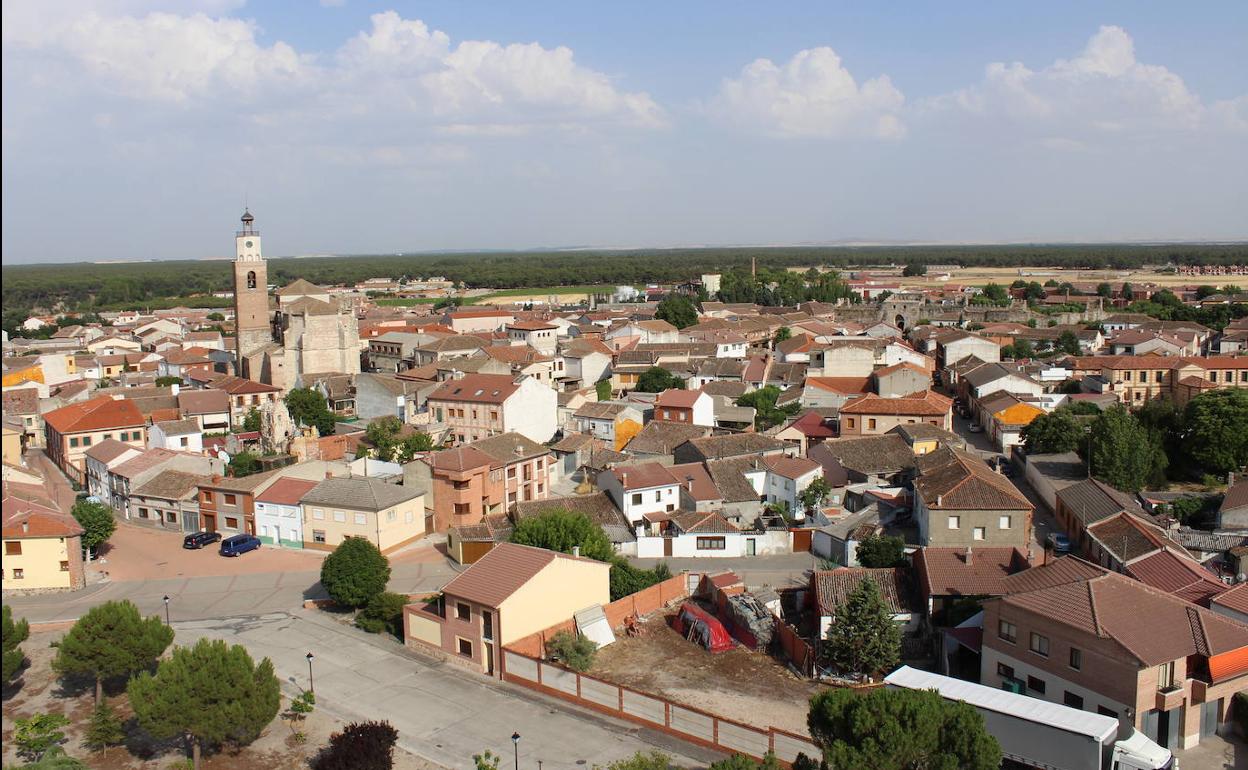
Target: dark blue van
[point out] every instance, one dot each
(239, 545)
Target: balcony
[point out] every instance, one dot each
(1169, 697)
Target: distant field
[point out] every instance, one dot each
(405, 301)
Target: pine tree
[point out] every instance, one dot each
(210, 694)
(863, 638)
(111, 640)
(105, 728)
(12, 635)
(355, 572)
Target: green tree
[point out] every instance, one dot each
(863, 638)
(575, 651)
(879, 551)
(656, 379)
(1124, 454)
(12, 634)
(1128, 293)
(626, 580)
(55, 758)
(1052, 433)
(815, 494)
(105, 728)
(1217, 431)
(97, 522)
(216, 317)
(111, 640)
(1105, 290)
(244, 464)
(360, 746)
(208, 694)
(742, 762)
(655, 760)
(996, 294)
(37, 734)
(913, 269)
(308, 407)
(252, 421)
(164, 382)
(1068, 343)
(602, 389)
(562, 530)
(301, 706)
(898, 728)
(1019, 349)
(678, 310)
(384, 612)
(782, 334)
(766, 413)
(355, 572)
(486, 760)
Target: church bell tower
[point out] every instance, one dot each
(251, 294)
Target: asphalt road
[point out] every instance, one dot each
(442, 713)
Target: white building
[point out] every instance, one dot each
(178, 435)
(279, 515)
(787, 478)
(644, 492)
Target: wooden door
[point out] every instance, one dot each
(667, 546)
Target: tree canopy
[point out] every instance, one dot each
(766, 413)
(12, 634)
(1053, 433)
(308, 407)
(879, 551)
(562, 530)
(656, 379)
(1125, 454)
(355, 572)
(678, 310)
(210, 694)
(359, 746)
(900, 728)
(1216, 436)
(97, 522)
(390, 446)
(111, 640)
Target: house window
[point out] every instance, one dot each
(12, 548)
(850, 422)
(391, 515)
(1072, 700)
(462, 484)
(1165, 676)
(1076, 658)
(1005, 671)
(1039, 644)
(171, 517)
(658, 495)
(206, 497)
(73, 441)
(978, 533)
(871, 423)
(64, 566)
(463, 509)
(18, 574)
(955, 522)
(1035, 685)
(1106, 712)
(318, 536)
(318, 513)
(86, 441)
(1007, 631)
(361, 518)
(109, 436)
(142, 513)
(465, 647)
(1004, 522)
(636, 498)
(463, 611)
(340, 516)
(511, 473)
(231, 499)
(231, 522)
(711, 543)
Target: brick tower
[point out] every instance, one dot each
(251, 294)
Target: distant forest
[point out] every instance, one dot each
(86, 287)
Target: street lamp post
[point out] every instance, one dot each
(515, 744)
(166, 598)
(311, 683)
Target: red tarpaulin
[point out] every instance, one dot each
(696, 625)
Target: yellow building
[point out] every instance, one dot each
(387, 515)
(42, 548)
(12, 446)
(509, 593)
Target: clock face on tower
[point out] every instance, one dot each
(247, 244)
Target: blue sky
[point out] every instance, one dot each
(134, 129)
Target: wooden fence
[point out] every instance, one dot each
(684, 722)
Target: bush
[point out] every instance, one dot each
(355, 572)
(37, 735)
(576, 652)
(881, 551)
(384, 612)
(360, 746)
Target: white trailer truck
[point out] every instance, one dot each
(1037, 733)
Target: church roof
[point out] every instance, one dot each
(310, 306)
(300, 287)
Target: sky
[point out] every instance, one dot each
(137, 129)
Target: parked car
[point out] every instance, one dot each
(239, 545)
(197, 540)
(1059, 542)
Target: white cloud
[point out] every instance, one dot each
(811, 95)
(1104, 90)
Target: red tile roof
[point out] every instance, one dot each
(833, 587)
(947, 572)
(926, 403)
(843, 385)
(476, 388)
(464, 458)
(644, 476)
(23, 519)
(678, 399)
(286, 491)
(100, 413)
(503, 571)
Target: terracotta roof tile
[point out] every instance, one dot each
(99, 413)
(502, 571)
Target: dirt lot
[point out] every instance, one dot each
(739, 684)
(40, 692)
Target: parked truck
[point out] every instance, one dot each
(1036, 733)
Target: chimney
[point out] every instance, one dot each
(1230, 479)
(624, 479)
(967, 556)
(519, 450)
(689, 483)
(576, 550)
(938, 499)
(174, 388)
(25, 526)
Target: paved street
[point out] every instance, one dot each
(442, 713)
